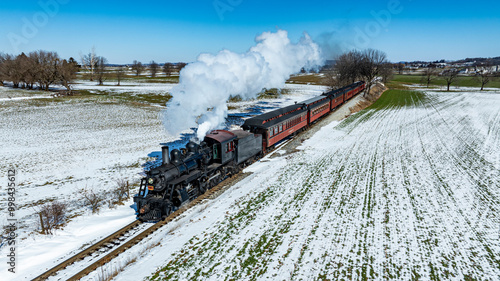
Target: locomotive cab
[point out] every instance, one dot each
(223, 146)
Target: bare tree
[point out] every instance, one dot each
(450, 76)
(180, 66)
(52, 215)
(122, 191)
(347, 69)
(430, 74)
(92, 199)
(3, 74)
(89, 62)
(355, 65)
(67, 74)
(153, 67)
(23, 65)
(100, 70)
(14, 70)
(371, 66)
(168, 69)
(386, 72)
(30, 73)
(483, 77)
(137, 67)
(485, 74)
(119, 74)
(22, 70)
(74, 63)
(400, 66)
(41, 67)
(46, 66)
(331, 80)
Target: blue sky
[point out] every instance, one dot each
(123, 31)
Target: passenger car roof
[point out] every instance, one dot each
(259, 120)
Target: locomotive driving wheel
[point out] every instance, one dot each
(222, 175)
(216, 178)
(176, 196)
(166, 211)
(202, 185)
(205, 183)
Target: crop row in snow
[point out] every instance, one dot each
(409, 188)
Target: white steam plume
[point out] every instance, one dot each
(212, 79)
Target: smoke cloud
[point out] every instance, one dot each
(199, 100)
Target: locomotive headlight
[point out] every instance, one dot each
(151, 180)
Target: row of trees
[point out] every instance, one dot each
(154, 68)
(137, 67)
(94, 66)
(356, 65)
(450, 76)
(38, 68)
(370, 64)
(41, 69)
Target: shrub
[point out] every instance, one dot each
(52, 215)
(92, 199)
(122, 191)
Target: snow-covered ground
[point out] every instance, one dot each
(60, 147)
(296, 93)
(409, 192)
(396, 193)
(8, 94)
(125, 87)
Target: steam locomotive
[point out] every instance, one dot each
(187, 173)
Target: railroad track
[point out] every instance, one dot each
(88, 251)
(111, 239)
(211, 193)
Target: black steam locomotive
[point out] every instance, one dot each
(188, 173)
(184, 175)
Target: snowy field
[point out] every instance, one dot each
(61, 146)
(410, 190)
(125, 87)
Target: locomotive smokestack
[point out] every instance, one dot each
(165, 155)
